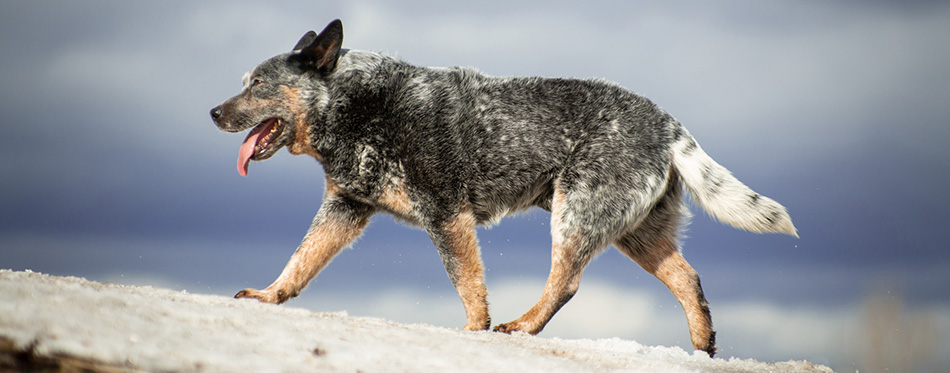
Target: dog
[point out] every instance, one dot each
(448, 149)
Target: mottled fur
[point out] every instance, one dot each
(447, 149)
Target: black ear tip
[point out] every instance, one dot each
(335, 26)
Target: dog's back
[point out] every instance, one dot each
(500, 142)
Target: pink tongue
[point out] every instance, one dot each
(247, 149)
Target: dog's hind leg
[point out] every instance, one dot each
(570, 254)
(593, 202)
(458, 246)
(338, 222)
(653, 245)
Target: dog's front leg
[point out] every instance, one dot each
(338, 222)
(458, 246)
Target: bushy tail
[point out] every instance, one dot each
(723, 196)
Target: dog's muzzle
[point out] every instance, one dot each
(218, 117)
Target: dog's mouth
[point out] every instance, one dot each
(261, 143)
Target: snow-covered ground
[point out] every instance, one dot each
(67, 320)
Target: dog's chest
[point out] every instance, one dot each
(363, 173)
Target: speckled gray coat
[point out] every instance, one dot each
(449, 148)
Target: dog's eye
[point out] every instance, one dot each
(256, 81)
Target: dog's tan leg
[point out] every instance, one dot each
(663, 260)
(569, 257)
(563, 282)
(336, 225)
(458, 247)
(653, 245)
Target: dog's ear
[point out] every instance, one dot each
(305, 40)
(321, 51)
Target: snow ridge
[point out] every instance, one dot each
(71, 322)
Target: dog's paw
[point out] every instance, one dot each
(508, 328)
(502, 328)
(520, 325)
(478, 325)
(266, 296)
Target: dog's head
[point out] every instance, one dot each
(277, 94)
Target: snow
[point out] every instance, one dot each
(145, 328)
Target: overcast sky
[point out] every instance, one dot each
(113, 170)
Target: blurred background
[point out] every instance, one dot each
(113, 170)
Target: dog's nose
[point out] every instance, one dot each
(216, 113)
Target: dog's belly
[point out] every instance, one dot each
(496, 198)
